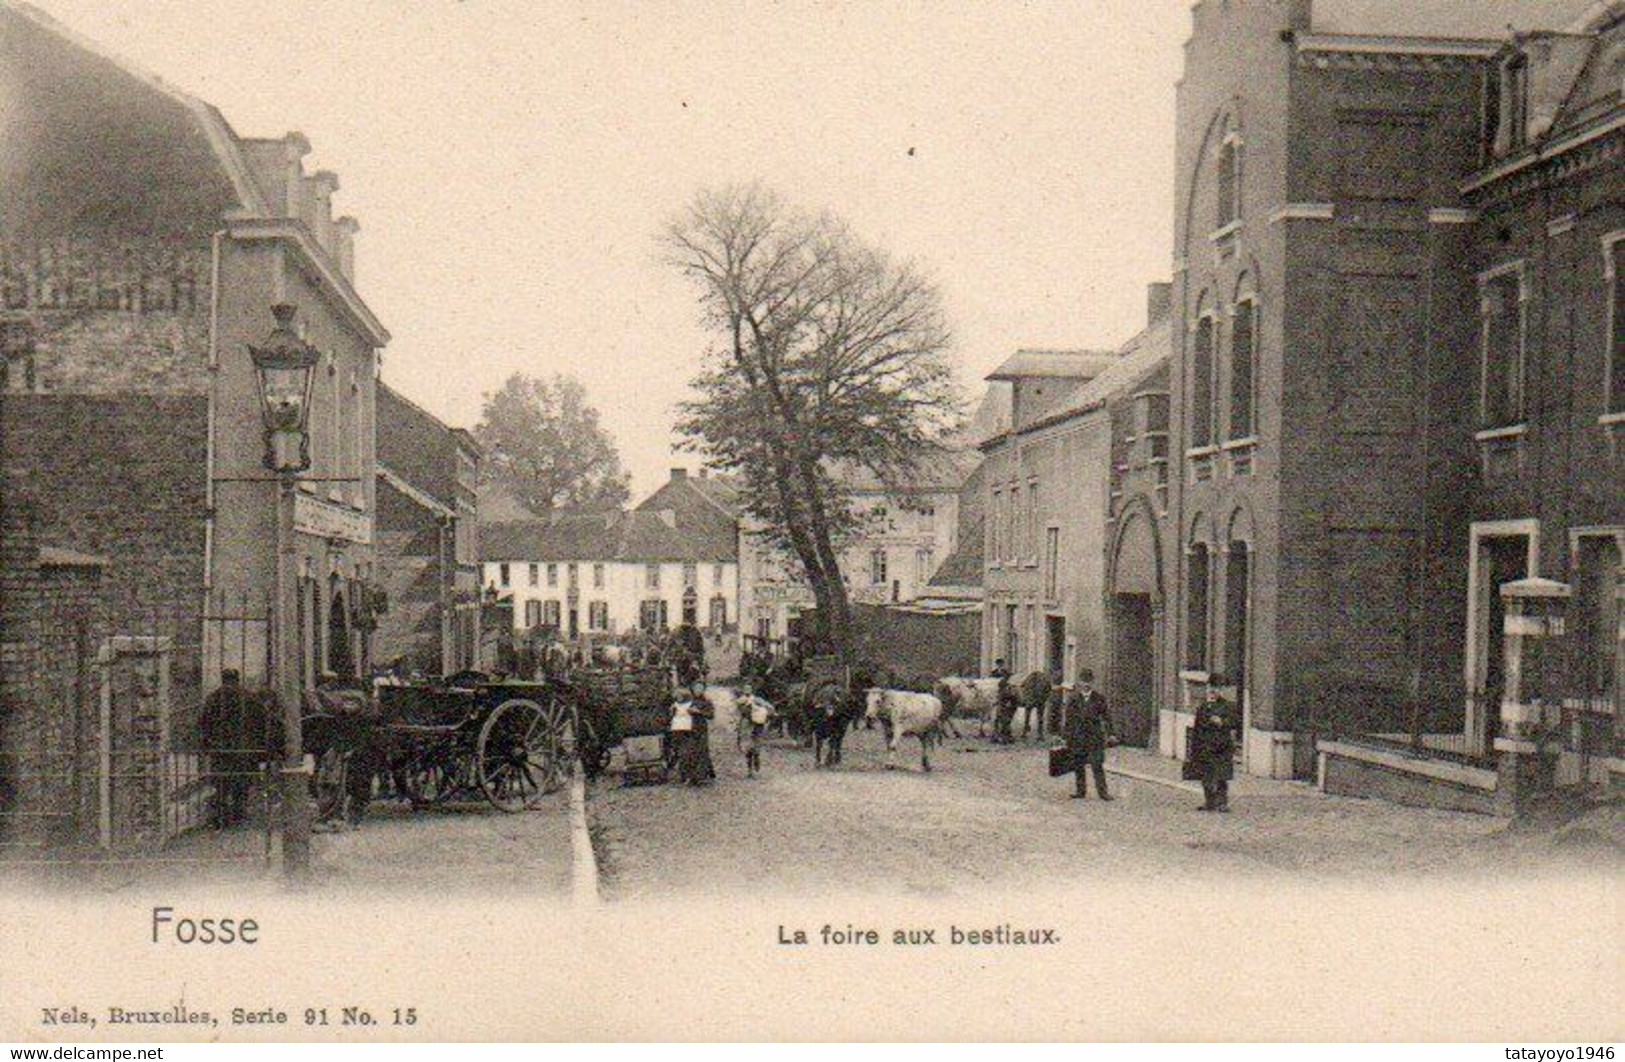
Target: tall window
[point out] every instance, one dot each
(533, 613)
(504, 575)
(691, 574)
(716, 575)
(535, 575)
(995, 522)
(1202, 383)
(1052, 563)
(922, 566)
(573, 574)
(1031, 530)
(1596, 623)
(1012, 506)
(719, 612)
(17, 356)
(1198, 577)
(1229, 181)
(598, 615)
(1616, 317)
(1515, 100)
(877, 566)
(1012, 639)
(651, 576)
(1501, 382)
(552, 575)
(1243, 344)
(597, 576)
(550, 613)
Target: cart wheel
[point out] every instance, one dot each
(594, 753)
(430, 781)
(516, 760)
(327, 784)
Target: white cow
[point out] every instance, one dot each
(969, 698)
(902, 713)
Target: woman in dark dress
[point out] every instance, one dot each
(696, 755)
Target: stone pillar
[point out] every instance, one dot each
(1531, 708)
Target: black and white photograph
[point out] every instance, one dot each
(729, 520)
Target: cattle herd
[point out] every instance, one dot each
(818, 702)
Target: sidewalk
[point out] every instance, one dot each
(1146, 766)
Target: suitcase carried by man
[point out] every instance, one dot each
(1061, 761)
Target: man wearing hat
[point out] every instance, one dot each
(1086, 727)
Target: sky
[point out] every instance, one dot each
(512, 162)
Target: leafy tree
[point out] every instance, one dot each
(830, 359)
(543, 442)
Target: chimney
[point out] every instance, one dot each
(323, 183)
(1159, 299)
(297, 147)
(679, 474)
(344, 230)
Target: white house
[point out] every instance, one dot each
(672, 559)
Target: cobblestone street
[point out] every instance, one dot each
(989, 816)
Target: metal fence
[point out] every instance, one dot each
(109, 760)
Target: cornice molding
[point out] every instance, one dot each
(293, 234)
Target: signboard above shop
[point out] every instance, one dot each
(313, 516)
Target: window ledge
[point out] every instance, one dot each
(1201, 451)
(1242, 443)
(1226, 231)
(1186, 675)
(1609, 420)
(1511, 431)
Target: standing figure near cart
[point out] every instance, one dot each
(688, 652)
(704, 772)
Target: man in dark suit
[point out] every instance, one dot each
(1086, 728)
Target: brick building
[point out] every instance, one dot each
(142, 244)
(1052, 484)
(1391, 356)
(427, 539)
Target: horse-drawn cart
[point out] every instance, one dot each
(626, 707)
(508, 742)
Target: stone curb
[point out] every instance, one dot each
(583, 862)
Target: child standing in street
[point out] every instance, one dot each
(754, 715)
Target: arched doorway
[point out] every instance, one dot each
(340, 655)
(1136, 596)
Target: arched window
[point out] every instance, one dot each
(1228, 180)
(1202, 366)
(1198, 578)
(1243, 367)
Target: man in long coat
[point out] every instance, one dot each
(1212, 748)
(239, 732)
(1087, 727)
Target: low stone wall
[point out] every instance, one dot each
(1355, 770)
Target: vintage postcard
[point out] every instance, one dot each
(714, 520)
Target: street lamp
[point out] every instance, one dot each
(284, 366)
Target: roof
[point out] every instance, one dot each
(636, 537)
(1473, 20)
(1056, 364)
(942, 470)
(1133, 362)
(963, 568)
(706, 510)
(418, 446)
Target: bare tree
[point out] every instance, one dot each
(831, 359)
